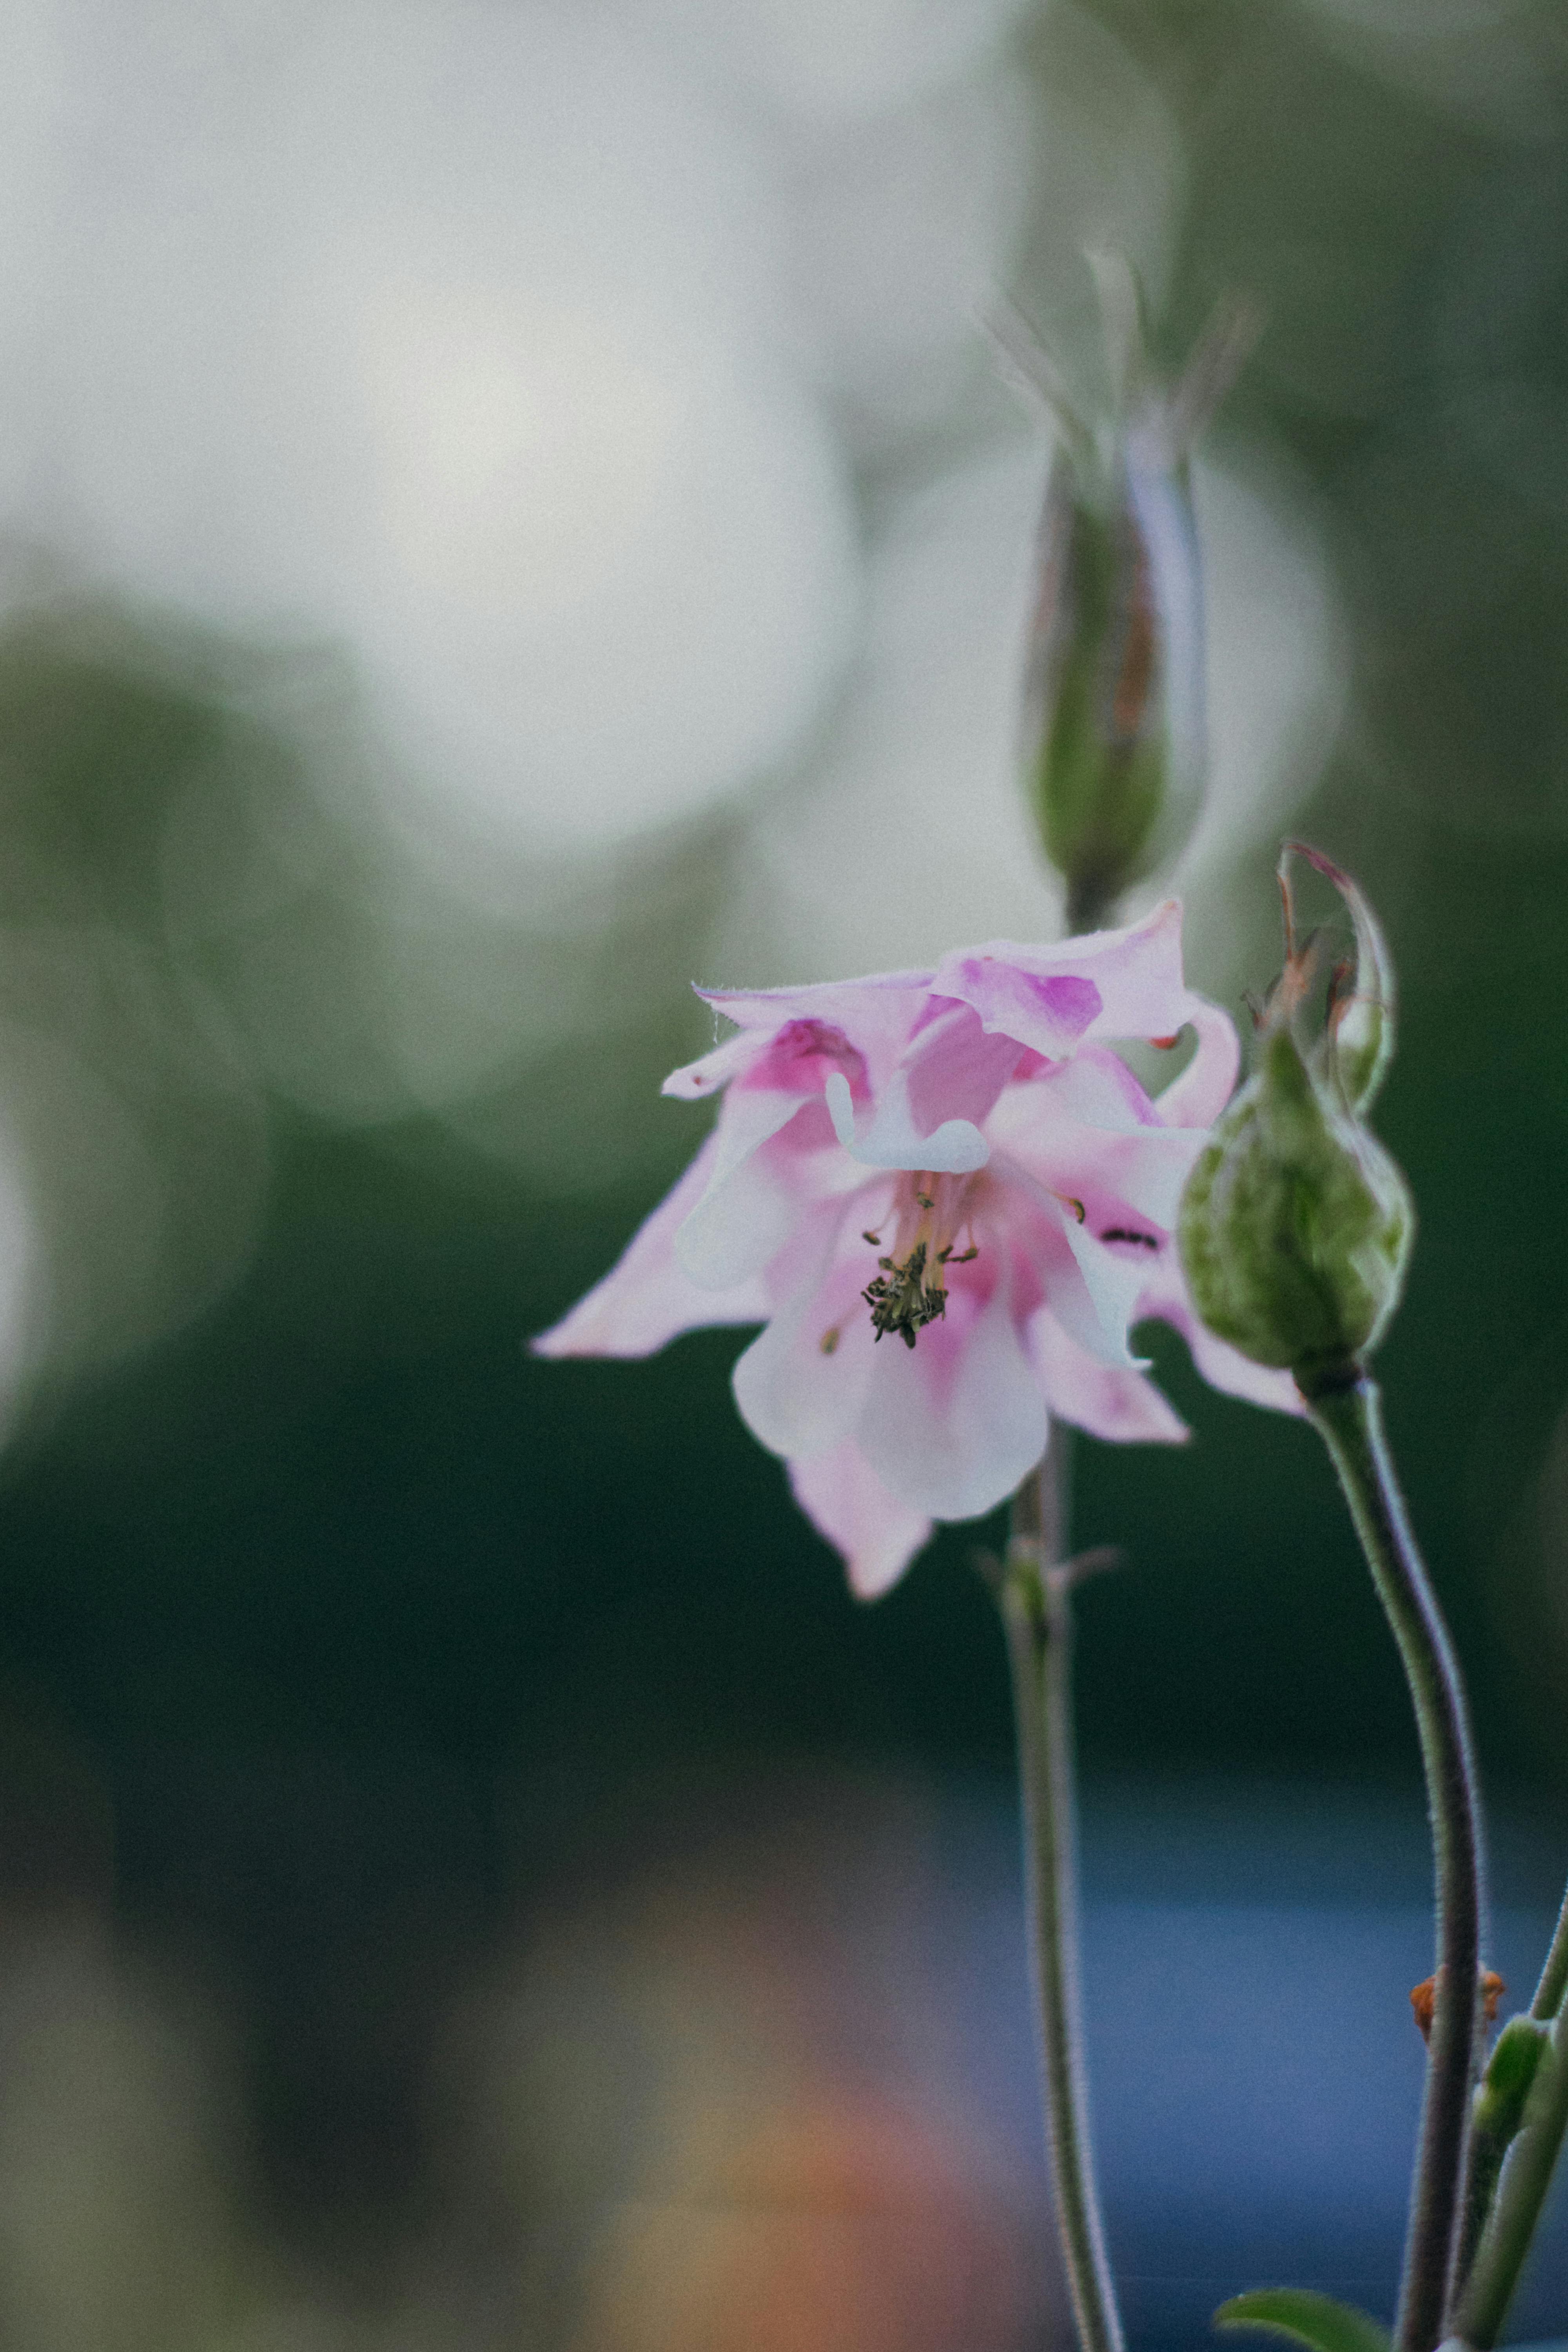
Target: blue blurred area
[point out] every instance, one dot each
(570, 2041)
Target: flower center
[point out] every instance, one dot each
(910, 1291)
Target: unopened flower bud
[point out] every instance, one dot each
(1114, 742)
(1296, 1226)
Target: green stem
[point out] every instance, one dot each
(1350, 1420)
(1526, 2178)
(1037, 1611)
(1554, 1975)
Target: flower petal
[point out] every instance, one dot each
(801, 1382)
(751, 1206)
(877, 1534)
(1222, 1366)
(1048, 1011)
(953, 1068)
(1197, 1097)
(646, 1297)
(953, 1424)
(1122, 1170)
(1093, 1291)
(1113, 1285)
(1123, 1406)
(694, 1081)
(875, 1015)
(1041, 995)
(891, 1138)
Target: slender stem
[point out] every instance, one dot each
(1351, 1421)
(1089, 906)
(1036, 1611)
(1526, 2178)
(1554, 1975)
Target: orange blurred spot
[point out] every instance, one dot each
(1424, 2000)
(841, 2225)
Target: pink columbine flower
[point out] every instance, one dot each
(948, 1200)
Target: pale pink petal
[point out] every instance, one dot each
(646, 1297)
(875, 1015)
(1092, 1289)
(1131, 1175)
(1135, 973)
(751, 1205)
(800, 1384)
(1123, 1406)
(877, 1534)
(1197, 1097)
(953, 1424)
(1223, 1367)
(879, 995)
(1096, 1088)
(1113, 1283)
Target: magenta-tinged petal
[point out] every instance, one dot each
(1041, 995)
(646, 1297)
(877, 1534)
(1198, 1095)
(953, 1424)
(1048, 1011)
(801, 1383)
(1125, 1407)
(875, 1015)
(799, 1058)
(954, 1069)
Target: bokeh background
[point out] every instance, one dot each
(505, 508)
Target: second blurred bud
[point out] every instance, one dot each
(1115, 748)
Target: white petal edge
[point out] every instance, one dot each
(646, 1298)
(956, 1148)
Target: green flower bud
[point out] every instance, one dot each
(1295, 1227)
(1115, 751)
(1114, 709)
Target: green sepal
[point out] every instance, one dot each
(1505, 2087)
(1358, 1046)
(1307, 2317)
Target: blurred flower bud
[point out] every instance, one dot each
(1114, 747)
(1296, 1226)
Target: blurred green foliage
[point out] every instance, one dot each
(342, 1506)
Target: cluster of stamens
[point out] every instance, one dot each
(909, 1293)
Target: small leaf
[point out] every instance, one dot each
(1306, 2317)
